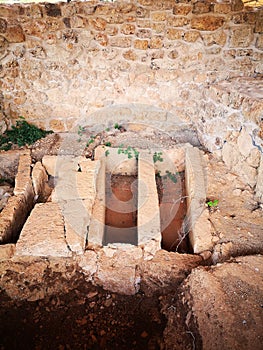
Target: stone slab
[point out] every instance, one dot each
(23, 182)
(12, 218)
(117, 269)
(77, 214)
(43, 233)
(195, 182)
(225, 303)
(148, 217)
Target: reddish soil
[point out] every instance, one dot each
(173, 209)
(121, 211)
(86, 318)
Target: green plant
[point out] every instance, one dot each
(107, 143)
(212, 203)
(129, 151)
(91, 140)
(81, 129)
(117, 126)
(171, 176)
(157, 157)
(107, 152)
(107, 129)
(22, 134)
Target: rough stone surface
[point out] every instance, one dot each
(13, 217)
(237, 221)
(112, 263)
(50, 240)
(40, 181)
(141, 54)
(225, 302)
(148, 221)
(23, 182)
(199, 225)
(165, 271)
(7, 251)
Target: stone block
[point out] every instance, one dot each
(128, 29)
(88, 263)
(39, 180)
(158, 16)
(177, 21)
(123, 42)
(174, 34)
(14, 34)
(148, 217)
(23, 183)
(198, 216)
(241, 36)
(12, 218)
(77, 214)
(141, 44)
(130, 55)
(207, 22)
(98, 23)
(9, 164)
(182, 9)
(191, 36)
(222, 8)
(117, 269)
(43, 233)
(156, 42)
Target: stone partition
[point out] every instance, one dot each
(66, 62)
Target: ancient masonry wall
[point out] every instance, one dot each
(98, 62)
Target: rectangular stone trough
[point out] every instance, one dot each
(75, 217)
(148, 227)
(14, 214)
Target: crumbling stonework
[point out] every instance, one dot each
(60, 63)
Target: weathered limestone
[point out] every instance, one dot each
(23, 182)
(259, 186)
(40, 181)
(224, 302)
(112, 262)
(7, 251)
(13, 217)
(165, 271)
(199, 224)
(148, 221)
(47, 241)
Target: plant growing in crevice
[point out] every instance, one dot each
(129, 151)
(212, 203)
(157, 157)
(22, 134)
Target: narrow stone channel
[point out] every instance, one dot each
(121, 209)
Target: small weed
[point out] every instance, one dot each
(21, 134)
(212, 204)
(129, 151)
(108, 144)
(117, 126)
(107, 152)
(171, 176)
(91, 140)
(107, 129)
(157, 157)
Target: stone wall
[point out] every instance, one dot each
(89, 62)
